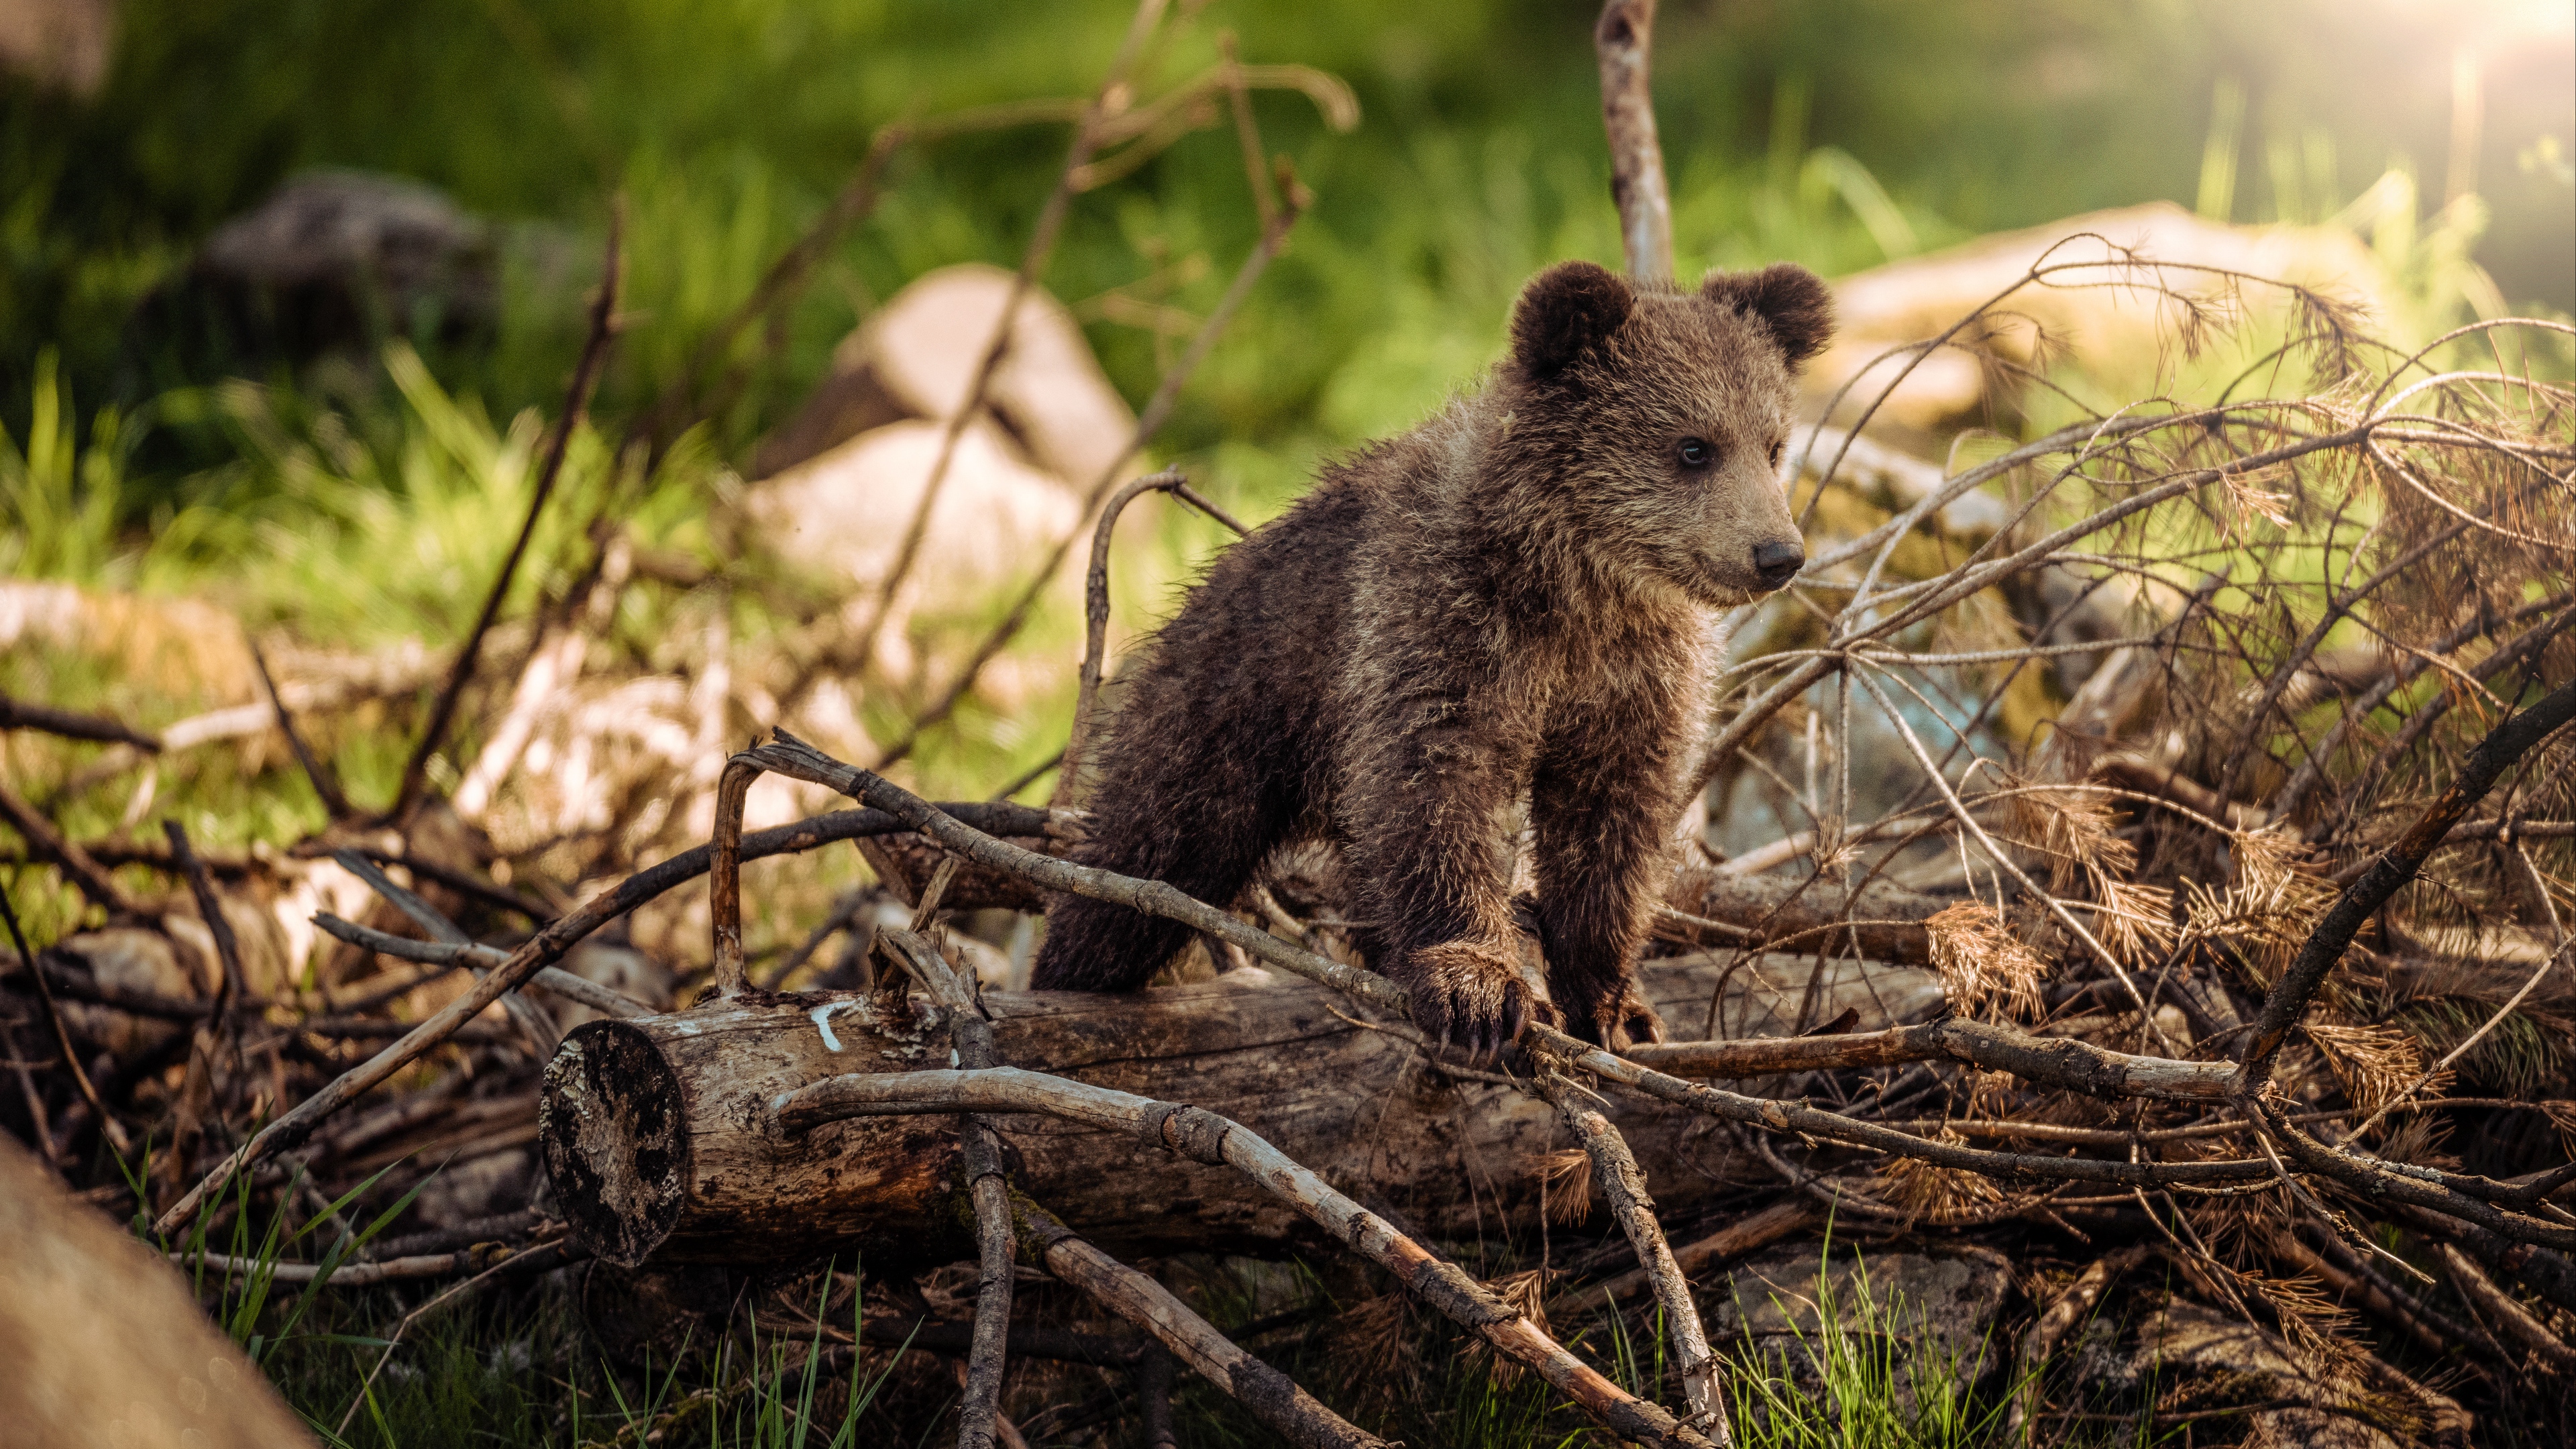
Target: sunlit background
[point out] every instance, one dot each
(355, 491)
(129, 131)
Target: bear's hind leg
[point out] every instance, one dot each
(1182, 817)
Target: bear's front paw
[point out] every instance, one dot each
(1617, 1020)
(1472, 996)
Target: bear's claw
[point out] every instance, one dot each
(1471, 996)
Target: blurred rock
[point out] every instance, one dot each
(917, 358)
(478, 1187)
(267, 960)
(619, 967)
(843, 514)
(61, 43)
(332, 262)
(126, 958)
(104, 1344)
(2100, 316)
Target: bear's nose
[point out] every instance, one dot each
(1778, 562)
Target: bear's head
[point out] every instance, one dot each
(1650, 423)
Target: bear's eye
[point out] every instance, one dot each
(1696, 453)
(1776, 450)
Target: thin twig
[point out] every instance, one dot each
(326, 784)
(1106, 101)
(19, 714)
(548, 946)
(550, 1255)
(979, 1410)
(233, 988)
(2517, 1320)
(562, 983)
(45, 842)
(1095, 627)
(844, 911)
(1268, 1394)
(585, 376)
(113, 1130)
(1158, 410)
(1615, 1171)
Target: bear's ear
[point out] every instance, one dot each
(1565, 312)
(1788, 301)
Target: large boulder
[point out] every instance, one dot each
(843, 514)
(917, 357)
(2112, 315)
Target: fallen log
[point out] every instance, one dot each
(658, 1136)
(1790, 911)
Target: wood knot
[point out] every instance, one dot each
(1188, 1131)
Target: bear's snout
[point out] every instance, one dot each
(1778, 560)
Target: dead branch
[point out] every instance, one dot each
(325, 784)
(1107, 100)
(585, 376)
(421, 1268)
(44, 842)
(788, 755)
(464, 882)
(985, 1184)
(2063, 1313)
(458, 953)
(549, 1256)
(1615, 1172)
(1095, 598)
(1622, 40)
(531, 1022)
(1158, 410)
(291, 1129)
(1205, 1137)
(2325, 945)
(2460, 1195)
(19, 714)
(1267, 1393)
(2477, 1288)
(234, 988)
(107, 1123)
(1880, 920)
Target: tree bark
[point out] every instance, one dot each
(657, 1132)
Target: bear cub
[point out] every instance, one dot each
(1511, 601)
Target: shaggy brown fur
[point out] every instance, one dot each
(1513, 597)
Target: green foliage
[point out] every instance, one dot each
(58, 499)
(1871, 1391)
(238, 1293)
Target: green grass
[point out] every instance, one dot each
(514, 1366)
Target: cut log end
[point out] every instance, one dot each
(659, 1139)
(611, 1118)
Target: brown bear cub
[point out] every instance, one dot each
(1513, 599)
